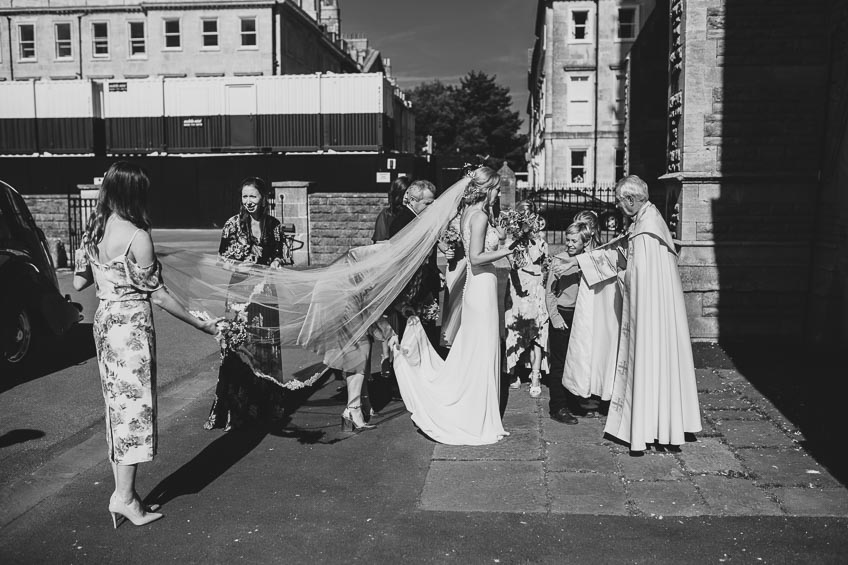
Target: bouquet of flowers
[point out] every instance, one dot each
(232, 332)
(523, 226)
(430, 312)
(451, 237)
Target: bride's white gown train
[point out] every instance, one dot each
(456, 401)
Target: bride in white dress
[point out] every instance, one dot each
(456, 401)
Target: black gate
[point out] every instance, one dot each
(558, 204)
(79, 209)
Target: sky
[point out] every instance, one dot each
(445, 39)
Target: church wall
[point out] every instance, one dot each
(747, 81)
(828, 307)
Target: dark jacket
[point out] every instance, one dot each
(426, 283)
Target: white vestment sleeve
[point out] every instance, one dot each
(599, 265)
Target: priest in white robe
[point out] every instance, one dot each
(654, 397)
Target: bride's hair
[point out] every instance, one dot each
(483, 180)
(123, 192)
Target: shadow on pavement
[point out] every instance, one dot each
(802, 382)
(74, 348)
(206, 466)
(231, 447)
(19, 436)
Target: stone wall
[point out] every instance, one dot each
(828, 307)
(747, 82)
(50, 212)
(339, 221)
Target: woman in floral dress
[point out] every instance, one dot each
(250, 387)
(526, 315)
(117, 256)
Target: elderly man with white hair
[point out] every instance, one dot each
(425, 285)
(654, 395)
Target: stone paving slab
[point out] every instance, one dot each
(520, 445)
(709, 455)
(588, 430)
(485, 486)
(732, 377)
(708, 427)
(734, 414)
(587, 458)
(786, 468)
(650, 467)
(745, 462)
(722, 400)
(742, 433)
(736, 497)
(667, 498)
(813, 502)
(525, 420)
(708, 380)
(587, 493)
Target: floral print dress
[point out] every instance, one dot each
(126, 351)
(250, 387)
(526, 315)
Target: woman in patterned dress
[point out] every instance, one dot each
(117, 256)
(250, 388)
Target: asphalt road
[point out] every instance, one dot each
(308, 493)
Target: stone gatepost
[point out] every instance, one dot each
(508, 184)
(292, 207)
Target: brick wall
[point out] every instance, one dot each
(339, 221)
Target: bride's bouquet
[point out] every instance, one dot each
(523, 226)
(451, 237)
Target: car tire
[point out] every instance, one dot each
(19, 340)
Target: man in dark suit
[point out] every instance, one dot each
(419, 195)
(425, 285)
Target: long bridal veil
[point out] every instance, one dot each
(327, 310)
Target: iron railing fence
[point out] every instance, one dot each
(79, 209)
(559, 203)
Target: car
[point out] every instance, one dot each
(559, 206)
(33, 311)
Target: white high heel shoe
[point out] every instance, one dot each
(134, 512)
(352, 420)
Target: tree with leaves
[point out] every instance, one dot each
(474, 118)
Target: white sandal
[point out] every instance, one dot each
(535, 385)
(515, 385)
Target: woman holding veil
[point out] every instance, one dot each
(247, 389)
(456, 400)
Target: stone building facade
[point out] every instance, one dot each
(98, 39)
(755, 161)
(576, 81)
